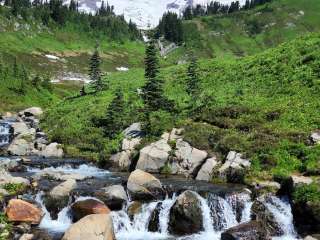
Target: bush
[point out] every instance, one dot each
(159, 122)
(307, 193)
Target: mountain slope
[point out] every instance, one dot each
(249, 32)
(262, 105)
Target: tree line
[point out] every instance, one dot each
(55, 13)
(215, 7)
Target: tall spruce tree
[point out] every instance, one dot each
(192, 78)
(113, 121)
(95, 71)
(152, 92)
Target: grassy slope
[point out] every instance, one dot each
(229, 35)
(263, 105)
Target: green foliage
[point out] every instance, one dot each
(192, 82)
(159, 122)
(307, 193)
(5, 228)
(14, 189)
(170, 26)
(95, 71)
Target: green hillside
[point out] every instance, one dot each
(264, 105)
(249, 32)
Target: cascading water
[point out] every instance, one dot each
(4, 133)
(61, 224)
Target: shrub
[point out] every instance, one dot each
(307, 193)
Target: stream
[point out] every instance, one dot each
(222, 206)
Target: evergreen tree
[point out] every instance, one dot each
(152, 92)
(15, 68)
(192, 78)
(46, 83)
(95, 71)
(36, 81)
(24, 78)
(113, 122)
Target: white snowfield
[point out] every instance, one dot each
(145, 13)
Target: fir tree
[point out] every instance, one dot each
(152, 92)
(192, 78)
(113, 122)
(95, 71)
(36, 81)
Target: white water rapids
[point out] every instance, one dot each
(4, 133)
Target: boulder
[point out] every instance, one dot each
(114, 196)
(234, 168)
(121, 160)
(186, 215)
(21, 211)
(315, 137)
(189, 158)
(207, 169)
(297, 181)
(3, 193)
(264, 187)
(129, 144)
(86, 207)
(20, 128)
(27, 236)
(133, 131)
(52, 150)
(20, 147)
(310, 238)
(142, 185)
(33, 111)
(154, 222)
(134, 208)
(91, 227)
(63, 189)
(154, 156)
(174, 135)
(58, 176)
(6, 178)
(246, 231)
(11, 165)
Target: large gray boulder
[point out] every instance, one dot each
(188, 157)
(154, 156)
(20, 128)
(247, 231)
(186, 215)
(121, 160)
(33, 111)
(142, 185)
(63, 189)
(114, 196)
(52, 150)
(20, 147)
(207, 169)
(133, 131)
(92, 227)
(129, 144)
(6, 178)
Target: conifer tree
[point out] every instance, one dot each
(113, 122)
(36, 81)
(95, 71)
(152, 92)
(192, 78)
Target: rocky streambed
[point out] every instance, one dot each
(136, 205)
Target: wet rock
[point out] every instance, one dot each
(63, 189)
(154, 156)
(114, 196)
(59, 176)
(33, 111)
(20, 147)
(83, 208)
(310, 238)
(246, 231)
(189, 158)
(154, 222)
(142, 185)
(27, 236)
(52, 150)
(264, 187)
(297, 181)
(121, 160)
(263, 215)
(20, 128)
(92, 227)
(207, 169)
(10, 165)
(6, 178)
(21, 211)
(134, 208)
(186, 215)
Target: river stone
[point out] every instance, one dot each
(134, 208)
(154, 156)
(20, 147)
(297, 181)
(262, 214)
(33, 111)
(186, 215)
(63, 189)
(114, 196)
(142, 185)
(20, 128)
(92, 227)
(6, 178)
(21, 211)
(86, 207)
(133, 131)
(189, 158)
(246, 231)
(59, 176)
(122, 160)
(52, 150)
(207, 169)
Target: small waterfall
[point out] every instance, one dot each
(4, 133)
(164, 213)
(281, 210)
(60, 225)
